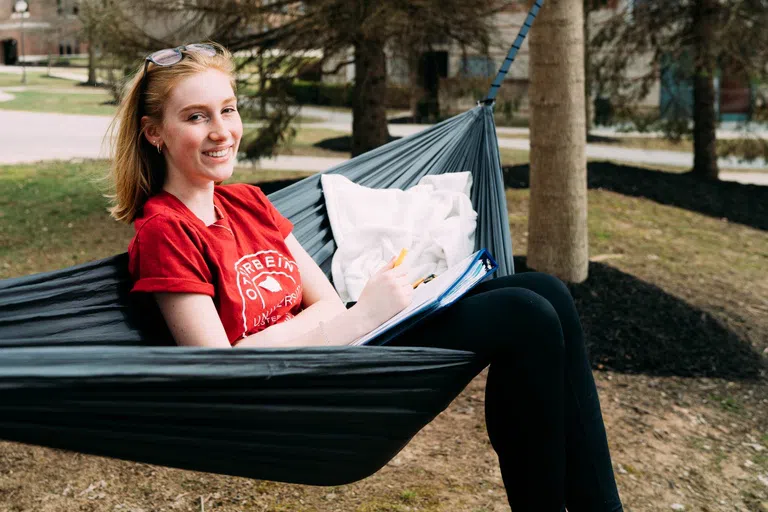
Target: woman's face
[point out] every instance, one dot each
(201, 129)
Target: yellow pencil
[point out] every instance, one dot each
(424, 280)
(400, 257)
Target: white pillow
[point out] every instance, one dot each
(434, 220)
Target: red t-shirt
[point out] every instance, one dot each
(241, 260)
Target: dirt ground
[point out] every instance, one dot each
(675, 313)
(677, 444)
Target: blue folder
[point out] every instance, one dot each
(437, 294)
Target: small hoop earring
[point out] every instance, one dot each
(159, 148)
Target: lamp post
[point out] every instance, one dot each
(21, 7)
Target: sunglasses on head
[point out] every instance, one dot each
(170, 56)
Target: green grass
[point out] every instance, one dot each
(54, 214)
(51, 94)
(728, 403)
(33, 79)
(658, 143)
(303, 144)
(66, 62)
(60, 102)
(422, 498)
(511, 157)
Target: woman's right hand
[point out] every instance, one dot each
(386, 293)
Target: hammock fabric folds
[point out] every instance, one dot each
(85, 366)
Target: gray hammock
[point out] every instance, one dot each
(86, 366)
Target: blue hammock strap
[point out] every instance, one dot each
(491, 97)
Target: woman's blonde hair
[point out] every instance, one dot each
(138, 169)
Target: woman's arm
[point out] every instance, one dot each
(194, 321)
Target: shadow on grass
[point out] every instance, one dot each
(745, 204)
(343, 144)
(633, 326)
(601, 139)
(412, 120)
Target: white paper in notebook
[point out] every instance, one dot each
(429, 297)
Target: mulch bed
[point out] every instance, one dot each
(633, 326)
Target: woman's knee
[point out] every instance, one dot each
(549, 286)
(530, 320)
(546, 285)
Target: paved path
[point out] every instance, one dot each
(643, 156)
(748, 178)
(33, 136)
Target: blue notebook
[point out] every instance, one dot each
(429, 297)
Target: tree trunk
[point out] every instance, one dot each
(557, 224)
(417, 91)
(587, 69)
(369, 113)
(91, 63)
(262, 70)
(704, 118)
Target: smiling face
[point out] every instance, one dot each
(201, 130)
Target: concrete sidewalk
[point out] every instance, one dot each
(644, 156)
(34, 136)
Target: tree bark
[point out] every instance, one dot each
(557, 224)
(91, 62)
(587, 69)
(369, 113)
(262, 86)
(704, 117)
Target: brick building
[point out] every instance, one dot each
(51, 27)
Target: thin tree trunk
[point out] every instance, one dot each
(91, 63)
(587, 69)
(704, 118)
(557, 224)
(417, 91)
(49, 43)
(262, 86)
(369, 113)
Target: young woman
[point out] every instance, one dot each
(227, 272)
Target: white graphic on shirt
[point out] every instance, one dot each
(271, 284)
(257, 280)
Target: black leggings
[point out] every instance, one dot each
(541, 405)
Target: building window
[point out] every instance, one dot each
(477, 66)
